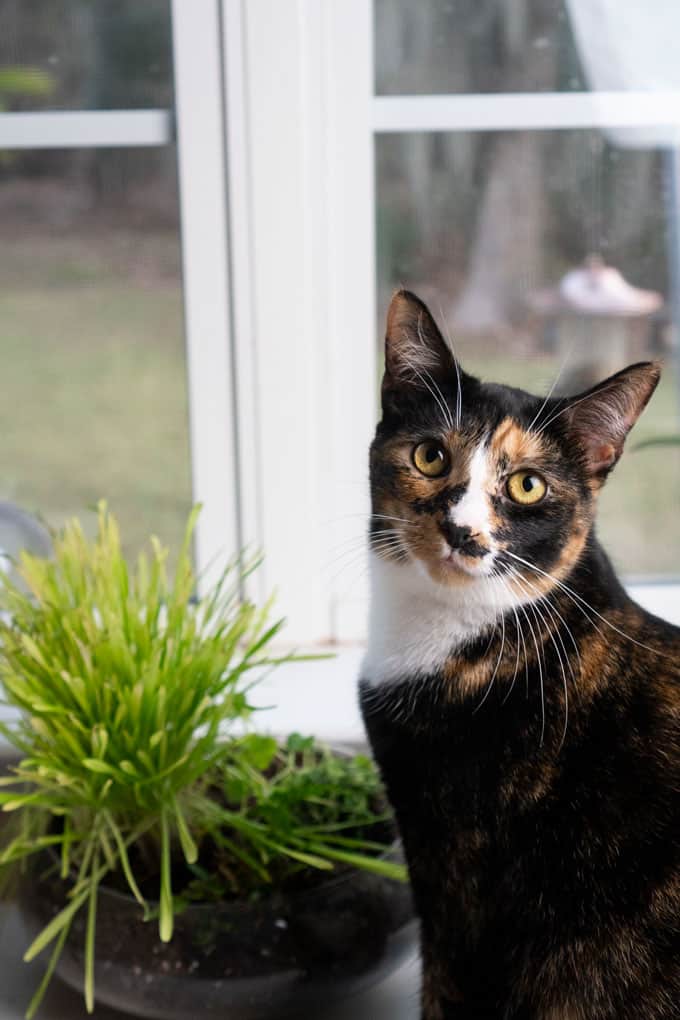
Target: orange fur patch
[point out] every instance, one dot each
(518, 445)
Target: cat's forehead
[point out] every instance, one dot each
(511, 422)
(495, 402)
(479, 408)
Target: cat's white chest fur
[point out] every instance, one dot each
(415, 624)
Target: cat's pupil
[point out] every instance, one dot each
(528, 483)
(432, 454)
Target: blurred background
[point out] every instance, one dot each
(544, 249)
(94, 396)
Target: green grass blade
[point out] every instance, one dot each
(56, 925)
(12, 802)
(65, 855)
(165, 920)
(95, 765)
(47, 976)
(189, 847)
(125, 861)
(21, 848)
(89, 940)
(379, 866)
(310, 859)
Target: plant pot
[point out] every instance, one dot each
(287, 955)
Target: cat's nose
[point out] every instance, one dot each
(462, 539)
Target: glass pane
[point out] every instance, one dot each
(455, 46)
(94, 399)
(85, 54)
(486, 227)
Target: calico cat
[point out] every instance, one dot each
(524, 712)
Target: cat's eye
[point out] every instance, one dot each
(526, 487)
(431, 459)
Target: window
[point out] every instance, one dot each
(478, 152)
(93, 362)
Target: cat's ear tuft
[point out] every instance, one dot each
(600, 419)
(414, 347)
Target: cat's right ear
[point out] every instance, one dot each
(600, 419)
(416, 354)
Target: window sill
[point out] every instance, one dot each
(314, 697)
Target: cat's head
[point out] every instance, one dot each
(472, 479)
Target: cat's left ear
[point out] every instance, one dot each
(600, 419)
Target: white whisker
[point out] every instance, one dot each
(358, 553)
(570, 407)
(542, 673)
(524, 613)
(535, 605)
(576, 597)
(551, 390)
(459, 393)
(389, 517)
(545, 599)
(443, 407)
(498, 661)
(520, 634)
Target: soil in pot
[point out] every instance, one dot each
(285, 955)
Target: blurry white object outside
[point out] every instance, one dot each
(601, 290)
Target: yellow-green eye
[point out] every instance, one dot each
(526, 487)
(431, 459)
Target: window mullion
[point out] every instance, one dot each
(202, 176)
(85, 129)
(352, 299)
(527, 111)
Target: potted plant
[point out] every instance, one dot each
(166, 854)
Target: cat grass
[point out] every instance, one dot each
(129, 691)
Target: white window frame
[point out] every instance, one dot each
(85, 129)
(298, 187)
